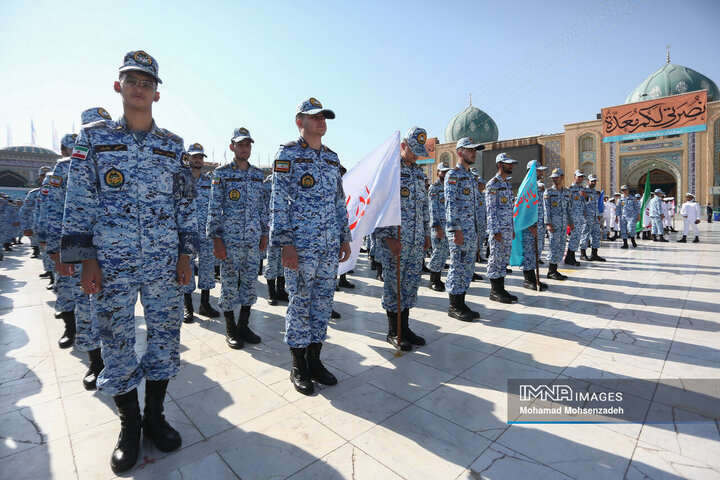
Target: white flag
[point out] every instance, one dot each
(372, 195)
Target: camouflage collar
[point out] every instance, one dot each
(122, 123)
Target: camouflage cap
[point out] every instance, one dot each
(196, 149)
(466, 142)
(43, 170)
(504, 158)
(579, 173)
(142, 62)
(93, 115)
(311, 106)
(535, 162)
(240, 134)
(68, 141)
(592, 177)
(443, 167)
(558, 172)
(415, 138)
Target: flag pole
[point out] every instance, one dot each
(537, 264)
(399, 294)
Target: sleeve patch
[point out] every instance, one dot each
(55, 181)
(492, 191)
(282, 166)
(451, 181)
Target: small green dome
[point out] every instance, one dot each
(474, 124)
(673, 79)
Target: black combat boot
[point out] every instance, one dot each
(155, 427)
(344, 282)
(405, 344)
(476, 277)
(406, 332)
(188, 316)
(456, 310)
(683, 239)
(662, 239)
(625, 244)
(317, 370)
(68, 336)
(379, 269)
(496, 292)
(272, 293)
(36, 252)
(282, 294)
(243, 330)
(467, 309)
(512, 297)
(126, 449)
(335, 315)
(373, 263)
(96, 366)
(553, 273)
(51, 285)
(6, 246)
(696, 240)
(583, 254)
(570, 258)
(300, 374)
(206, 309)
(530, 281)
(435, 282)
(45, 275)
(231, 336)
(632, 239)
(595, 257)
(424, 268)
(654, 238)
(217, 272)
(260, 270)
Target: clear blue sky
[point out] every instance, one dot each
(381, 65)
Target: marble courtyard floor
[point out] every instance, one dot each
(439, 412)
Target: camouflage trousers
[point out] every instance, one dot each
(273, 266)
(205, 266)
(657, 225)
(241, 264)
(440, 252)
(162, 306)
(529, 242)
(311, 289)
(574, 240)
(557, 243)
(590, 234)
(411, 258)
(88, 335)
(462, 264)
(627, 227)
(499, 255)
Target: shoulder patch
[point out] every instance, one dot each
(492, 191)
(451, 181)
(327, 149)
(55, 181)
(172, 136)
(80, 152)
(281, 166)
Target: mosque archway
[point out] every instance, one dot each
(659, 179)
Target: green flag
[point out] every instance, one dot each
(644, 218)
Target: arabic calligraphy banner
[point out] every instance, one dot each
(663, 116)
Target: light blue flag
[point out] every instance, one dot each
(525, 213)
(601, 201)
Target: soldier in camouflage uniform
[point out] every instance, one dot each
(542, 231)
(481, 211)
(40, 227)
(308, 220)
(409, 249)
(27, 215)
(578, 198)
(593, 220)
(273, 272)
(461, 219)
(627, 213)
(128, 218)
(529, 239)
(440, 251)
(237, 221)
(205, 257)
(500, 203)
(78, 309)
(556, 204)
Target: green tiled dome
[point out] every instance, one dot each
(473, 123)
(673, 79)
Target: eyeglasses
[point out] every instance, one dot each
(134, 82)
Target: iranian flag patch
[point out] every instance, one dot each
(79, 153)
